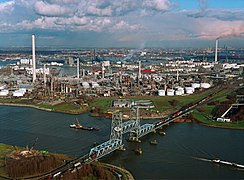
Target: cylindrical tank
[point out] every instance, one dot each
(205, 85)
(4, 92)
(195, 85)
(170, 92)
(2, 86)
(161, 92)
(178, 92)
(189, 90)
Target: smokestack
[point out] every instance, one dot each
(216, 51)
(78, 68)
(103, 70)
(139, 70)
(83, 72)
(177, 73)
(44, 75)
(33, 58)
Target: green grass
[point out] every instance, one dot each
(201, 117)
(103, 103)
(47, 106)
(161, 103)
(5, 150)
(203, 112)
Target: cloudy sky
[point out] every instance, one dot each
(122, 23)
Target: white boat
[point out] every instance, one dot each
(216, 160)
(72, 125)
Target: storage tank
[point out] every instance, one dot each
(2, 86)
(95, 85)
(170, 92)
(195, 85)
(179, 92)
(205, 85)
(18, 93)
(161, 92)
(4, 92)
(85, 85)
(180, 88)
(189, 90)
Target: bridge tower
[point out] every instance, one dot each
(134, 133)
(117, 128)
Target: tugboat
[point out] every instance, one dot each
(138, 151)
(154, 142)
(162, 133)
(78, 126)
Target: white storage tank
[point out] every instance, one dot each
(161, 92)
(95, 85)
(170, 92)
(205, 85)
(179, 92)
(18, 93)
(180, 88)
(4, 92)
(195, 85)
(189, 90)
(85, 85)
(2, 86)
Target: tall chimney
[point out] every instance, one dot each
(44, 75)
(78, 68)
(216, 51)
(139, 70)
(33, 58)
(103, 69)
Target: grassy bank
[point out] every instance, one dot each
(203, 113)
(35, 164)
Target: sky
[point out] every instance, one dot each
(122, 23)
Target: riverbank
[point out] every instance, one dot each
(101, 107)
(19, 162)
(25, 105)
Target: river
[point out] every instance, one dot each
(177, 155)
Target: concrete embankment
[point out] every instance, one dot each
(25, 105)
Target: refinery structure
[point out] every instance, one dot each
(115, 72)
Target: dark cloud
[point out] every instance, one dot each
(221, 14)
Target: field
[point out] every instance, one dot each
(203, 113)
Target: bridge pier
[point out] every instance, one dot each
(121, 148)
(134, 139)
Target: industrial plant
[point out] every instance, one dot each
(58, 75)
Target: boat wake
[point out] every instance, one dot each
(202, 159)
(222, 162)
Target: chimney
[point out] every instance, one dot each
(103, 69)
(216, 51)
(33, 58)
(78, 68)
(44, 75)
(139, 70)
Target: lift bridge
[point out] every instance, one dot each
(118, 128)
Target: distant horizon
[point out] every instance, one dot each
(122, 23)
